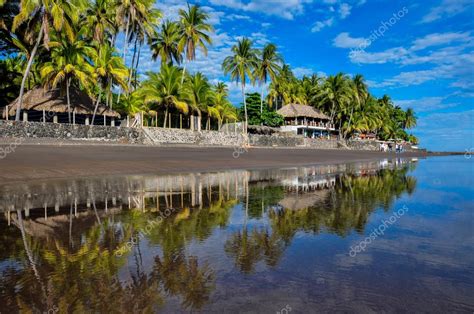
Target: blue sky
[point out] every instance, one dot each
(418, 52)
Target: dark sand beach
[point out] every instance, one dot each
(30, 162)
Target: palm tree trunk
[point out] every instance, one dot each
(68, 83)
(27, 71)
(96, 106)
(261, 105)
(184, 67)
(245, 109)
(124, 53)
(349, 123)
(166, 117)
(136, 65)
(133, 63)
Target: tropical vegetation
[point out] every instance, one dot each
(85, 44)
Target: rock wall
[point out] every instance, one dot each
(68, 131)
(275, 141)
(322, 143)
(161, 136)
(157, 136)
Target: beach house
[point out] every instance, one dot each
(307, 121)
(41, 105)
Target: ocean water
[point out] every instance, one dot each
(389, 236)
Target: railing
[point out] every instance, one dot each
(316, 124)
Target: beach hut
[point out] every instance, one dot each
(40, 105)
(307, 121)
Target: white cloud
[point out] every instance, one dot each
(447, 8)
(438, 39)
(319, 25)
(344, 10)
(389, 55)
(302, 71)
(344, 40)
(425, 104)
(285, 9)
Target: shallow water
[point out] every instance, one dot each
(384, 236)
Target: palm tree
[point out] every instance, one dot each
(410, 119)
(61, 15)
(359, 96)
(240, 66)
(68, 63)
(100, 21)
(108, 68)
(166, 44)
(142, 27)
(194, 33)
(197, 93)
(268, 67)
(335, 93)
(164, 89)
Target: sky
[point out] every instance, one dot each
(420, 52)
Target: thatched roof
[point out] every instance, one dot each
(53, 101)
(296, 110)
(306, 200)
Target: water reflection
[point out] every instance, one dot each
(87, 245)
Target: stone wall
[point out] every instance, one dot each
(275, 141)
(161, 136)
(68, 131)
(322, 143)
(157, 136)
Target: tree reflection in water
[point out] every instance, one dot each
(67, 260)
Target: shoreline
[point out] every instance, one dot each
(56, 161)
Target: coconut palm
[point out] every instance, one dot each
(60, 15)
(268, 67)
(164, 89)
(194, 33)
(197, 92)
(241, 66)
(142, 28)
(335, 93)
(359, 95)
(410, 119)
(68, 65)
(165, 44)
(108, 68)
(100, 22)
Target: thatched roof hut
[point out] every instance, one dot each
(53, 100)
(304, 200)
(296, 111)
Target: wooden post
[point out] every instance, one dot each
(180, 121)
(74, 117)
(7, 113)
(169, 119)
(87, 121)
(128, 121)
(156, 118)
(55, 119)
(25, 116)
(191, 122)
(44, 116)
(105, 120)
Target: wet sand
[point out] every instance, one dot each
(32, 162)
